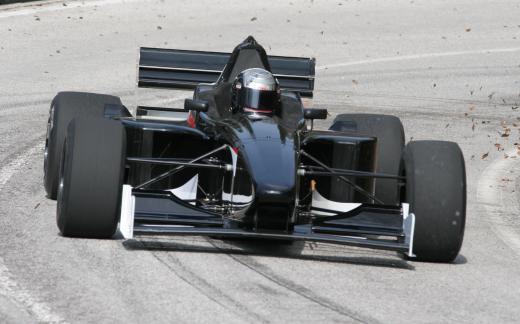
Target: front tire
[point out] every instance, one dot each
(64, 107)
(436, 191)
(91, 178)
(389, 132)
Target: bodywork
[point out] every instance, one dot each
(226, 174)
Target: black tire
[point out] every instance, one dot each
(390, 143)
(64, 107)
(436, 191)
(91, 178)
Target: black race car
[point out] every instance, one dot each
(242, 159)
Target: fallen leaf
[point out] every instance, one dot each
(485, 155)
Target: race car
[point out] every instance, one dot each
(242, 159)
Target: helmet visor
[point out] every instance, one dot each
(262, 100)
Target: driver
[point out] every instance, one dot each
(255, 92)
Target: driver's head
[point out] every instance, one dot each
(255, 91)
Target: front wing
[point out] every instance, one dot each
(368, 226)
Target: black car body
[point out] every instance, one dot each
(226, 174)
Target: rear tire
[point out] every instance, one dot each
(91, 178)
(64, 107)
(436, 191)
(390, 142)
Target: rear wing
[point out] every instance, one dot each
(184, 69)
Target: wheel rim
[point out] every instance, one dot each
(50, 124)
(45, 157)
(61, 182)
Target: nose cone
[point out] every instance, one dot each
(272, 167)
(271, 160)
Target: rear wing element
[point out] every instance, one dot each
(183, 69)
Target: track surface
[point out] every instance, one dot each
(449, 69)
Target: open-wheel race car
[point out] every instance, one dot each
(242, 160)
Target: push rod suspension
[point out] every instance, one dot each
(227, 167)
(341, 177)
(353, 173)
(179, 168)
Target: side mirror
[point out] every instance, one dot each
(197, 105)
(315, 113)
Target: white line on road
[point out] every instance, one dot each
(7, 171)
(418, 56)
(496, 192)
(9, 287)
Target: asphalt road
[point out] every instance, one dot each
(449, 69)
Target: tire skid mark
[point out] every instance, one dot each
(25, 106)
(419, 57)
(8, 285)
(500, 201)
(206, 288)
(20, 104)
(420, 111)
(462, 101)
(46, 97)
(269, 274)
(24, 110)
(21, 151)
(10, 289)
(52, 6)
(7, 171)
